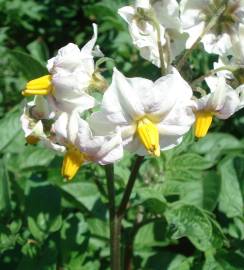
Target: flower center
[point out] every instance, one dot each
(73, 159)
(39, 86)
(149, 136)
(203, 123)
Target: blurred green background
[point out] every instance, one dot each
(48, 224)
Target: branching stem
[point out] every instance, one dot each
(208, 27)
(212, 72)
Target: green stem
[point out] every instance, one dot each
(209, 26)
(115, 217)
(213, 72)
(129, 187)
(115, 227)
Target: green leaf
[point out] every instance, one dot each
(152, 199)
(215, 144)
(74, 239)
(153, 234)
(189, 221)
(203, 193)
(230, 200)
(230, 260)
(43, 210)
(189, 161)
(33, 156)
(168, 261)
(30, 67)
(85, 193)
(186, 167)
(9, 127)
(5, 205)
(39, 50)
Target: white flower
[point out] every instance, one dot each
(36, 122)
(82, 145)
(70, 58)
(168, 14)
(222, 102)
(143, 31)
(71, 74)
(151, 116)
(195, 15)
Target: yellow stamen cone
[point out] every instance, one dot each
(71, 163)
(39, 86)
(149, 136)
(203, 123)
(32, 139)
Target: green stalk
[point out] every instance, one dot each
(115, 217)
(209, 26)
(129, 187)
(115, 227)
(213, 72)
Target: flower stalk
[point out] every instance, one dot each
(208, 27)
(116, 216)
(212, 72)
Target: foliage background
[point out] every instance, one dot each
(186, 210)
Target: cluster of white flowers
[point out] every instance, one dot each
(136, 114)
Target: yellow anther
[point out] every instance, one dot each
(39, 86)
(73, 159)
(203, 123)
(149, 136)
(32, 139)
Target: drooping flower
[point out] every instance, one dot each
(142, 18)
(222, 102)
(143, 32)
(151, 116)
(74, 133)
(36, 121)
(195, 16)
(71, 73)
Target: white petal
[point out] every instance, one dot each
(127, 13)
(169, 142)
(86, 51)
(191, 12)
(121, 102)
(167, 13)
(143, 4)
(167, 91)
(194, 33)
(70, 91)
(53, 146)
(144, 35)
(41, 108)
(223, 61)
(100, 125)
(240, 92)
(230, 105)
(178, 121)
(101, 149)
(218, 44)
(67, 59)
(59, 127)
